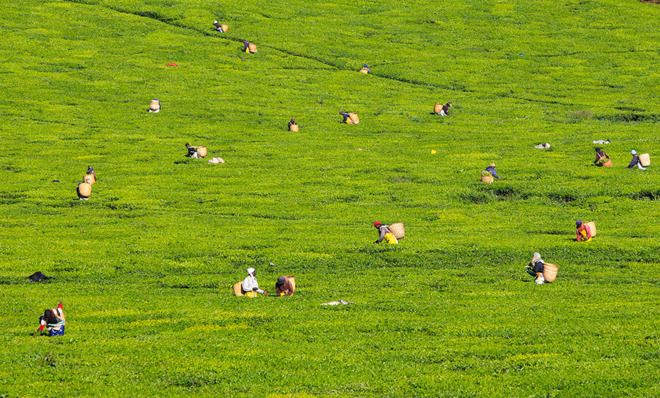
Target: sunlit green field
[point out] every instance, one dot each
(144, 268)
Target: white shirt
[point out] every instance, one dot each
(250, 283)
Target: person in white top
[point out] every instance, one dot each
(250, 286)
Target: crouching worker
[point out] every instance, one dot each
(154, 106)
(491, 169)
(192, 151)
(285, 286)
(385, 234)
(582, 232)
(535, 269)
(602, 159)
(51, 323)
(250, 286)
(635, 161)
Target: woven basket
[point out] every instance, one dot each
(154, 105)
(608, 164)
(487, 179)
(592, 228)
(292, 282)
(294, 128)
(237, 289)
(354, 118)
(84, 190)
(550, 272)
(90, 179)
(398, 230)
(225, 28)
(645, 159)
(437, 108)
(202, 151)
(364, 70)
(252, 48)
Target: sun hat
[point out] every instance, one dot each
(250, 271)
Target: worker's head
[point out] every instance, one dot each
(597, 149)
(492, 164)
(536, 257)
(578, 223)
(252, 272)
(280, 281)
(633, 152)
(49, 316)
(377, 224)
(216, 21)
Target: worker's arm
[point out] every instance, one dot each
(381, 236)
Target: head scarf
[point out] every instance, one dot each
(250, 271)
(536, 257)
(633, 152)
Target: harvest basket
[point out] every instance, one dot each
(84, 190)
(550, 272)
(645, 159)
(398, 230)
(252, 48)
(202, 151)
(608, 164)
(487, 179)
(237, 289)
(437, 108)
(353, 118)
(592, 228)
(294, 128)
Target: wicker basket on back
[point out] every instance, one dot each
(550, 272)
(353, 118)
(398, 230)
(236, 289)
(252, 48)
(202, 151)
(645, 159)
(437, 108)
(84, 190)
(294, 128)
(608, 164)
(592, 228)
(487, 179)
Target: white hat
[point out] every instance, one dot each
(633, 152)
(216, 21)
(250, 271)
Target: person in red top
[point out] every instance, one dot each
(51, 323)
(582, 232)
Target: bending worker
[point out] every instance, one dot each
(250, 286)
(384, 233)
(582, 232)
(52, 321)
(601, 157)
(535, 269)
(492, 171)
(635, 161)
(285, 286)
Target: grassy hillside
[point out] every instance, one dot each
(144, 268)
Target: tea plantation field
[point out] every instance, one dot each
(144, 267)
